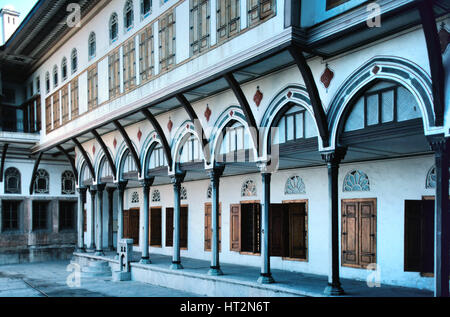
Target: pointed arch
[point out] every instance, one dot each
(151, 142)
(184, 132)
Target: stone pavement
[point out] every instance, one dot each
(50, 280)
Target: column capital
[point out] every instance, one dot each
(216, 172)
(100, 187)
(93, 190)
(334, 157)
(178, 178)
(111, 190)
(147, 182)
(82, 191)
(439, 144)
(121, 186)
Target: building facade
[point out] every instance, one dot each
(308, 136)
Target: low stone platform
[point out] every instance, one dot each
(241, 281)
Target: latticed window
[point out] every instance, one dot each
(183, 193)
(248, 189)
(431, 178)
(294, 186)
(296, 124)
(114, 74)
(12, 181)
(259, 10)
(47, 82)
(146, 54)
(10, 215)
(65, 103)
(74, 58)
(55, 76)
(146, 7)
(228, 18)
(156, 196)
(67, 183)
(56, 110)
(356, 181)
(113, 27)
(42, 182)
(40, 215)
(191, 151)
(135, 198)
(64, 69)
(157, 158)
(48, 114)
(128, 14)
(167, 41)
(92, 87)
(129, 65)
(209, 192)
(74, 96)
(199, 20)
(67, 215)
(92, 46)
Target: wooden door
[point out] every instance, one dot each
(235, 228)
(350, 234)
(155, 234)
(276, 228)
(134, 225)
(169, 227)
(367, 233)
(297, 231)
(208, 227)
(184, 227)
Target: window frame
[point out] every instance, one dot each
(92, 46)
(37, 223)
(128, 13)
(113, 22)
(17, 214)
(74, 60)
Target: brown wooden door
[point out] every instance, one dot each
(208, 227)
(235, 228)
(84, 220)
(134, 225)
(155, 227)
(276, 228)
(184, 227)
(367, 233)
(169, 227)
(297, 231)
(126, 224)
(350, 250)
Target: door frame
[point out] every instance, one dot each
(306, 202)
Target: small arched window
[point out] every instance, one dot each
(42, 182)
(113, 27)
(294, 186)
(135, 198)
(47, 82)
(74, 58)
(248, 189)
(209, 192)
(12, 181)
(356, 181)
(146, 6)
(183, 193)
(92, 46)
(156, 196)
(64, 69)
(431, 178)
(68, 183)
(128, 15)
(295, 124)
(55, 76)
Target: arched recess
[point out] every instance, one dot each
(228, 117)
(184, 132)
(284, 100)
(151, 142)
(85, 175)
(382, 68)
(103, 170)
(123, 154)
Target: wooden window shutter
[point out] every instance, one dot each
(298, 231)
(235, 226)
(276, 224)
(256, 228)
(427, 236)
(367, 233)
(208, 227)
(126, 224)
(48, 114)
(134, 225)
(74, 97)
(350, 252)
(184, 227)
(169, 227)
(155, 227)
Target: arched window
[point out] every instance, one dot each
(64, 69)
(191, 151)
(356, 181)
(209, 192)
(68, 183)
(235, 145)
(128, 15)
(113, 27)
(47, 82)
(431, 178)
(146, 6)
(42, 182)
(157, 158)
(55, 76)
(384, 103)
(248, 189)
(74, 58)
(156, 196)
(12, 181)
(92, 46)
(183, 193)
(296, 124)
(135, 198)
(294, 186)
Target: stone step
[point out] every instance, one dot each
(96, 269)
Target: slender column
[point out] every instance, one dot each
(93, 192)
(80, 218)
(333, 160)
(146, 183)
(121, 186)
(99, 222)
(215, 175)
(441, 148)
(176, 261)
(266, 275)
(110, 191)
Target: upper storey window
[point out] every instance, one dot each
(38, 84)
(74, 58)
(296, 124)
(92, 46)
(47, 82)
(12, 181)
(191, 151)
(55, 76)
(228, 18)
(167, 41)
(64, 69)
(128, 15)
(113, 27)
(334, 3)
(259, 10)
(199, 20)
(157, 158)
(146, 7)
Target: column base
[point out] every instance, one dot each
(215, 271)
(176, 265)
(90, 250)
(145, 260)
(266, 278)
(99, 253)
(80, 250)
(334, 290)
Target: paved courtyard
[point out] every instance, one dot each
(50, 280)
